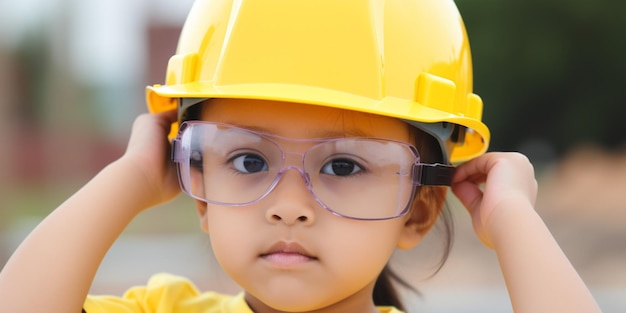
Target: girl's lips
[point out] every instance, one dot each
(285, 254)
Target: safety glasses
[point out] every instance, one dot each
(358, 178)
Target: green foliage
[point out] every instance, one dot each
(550, 69)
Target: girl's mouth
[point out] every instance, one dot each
(287, 254)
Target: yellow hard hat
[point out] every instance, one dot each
(408, 59)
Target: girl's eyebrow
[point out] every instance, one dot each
(250, 127)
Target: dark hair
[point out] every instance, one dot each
(385, 291)
(192, 113)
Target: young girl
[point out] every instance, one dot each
(316, 138)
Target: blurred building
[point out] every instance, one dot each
(72, 78)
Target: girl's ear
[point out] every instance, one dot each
(201, 207)
(424, 213)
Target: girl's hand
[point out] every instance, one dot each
(148, 156)
(508, 179)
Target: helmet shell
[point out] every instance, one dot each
(399, 58)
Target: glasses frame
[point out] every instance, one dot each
(423, 174)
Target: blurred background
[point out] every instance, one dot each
(551, 74)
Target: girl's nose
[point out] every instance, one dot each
(291, 202)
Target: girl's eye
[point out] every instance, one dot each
(341, 167)
(249, 163)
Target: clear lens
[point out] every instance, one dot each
(359, 178)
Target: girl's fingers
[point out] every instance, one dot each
(492, 182)
(149, 151)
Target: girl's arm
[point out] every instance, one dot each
(53, 268)
(538, 275)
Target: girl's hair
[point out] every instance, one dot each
(385, 291)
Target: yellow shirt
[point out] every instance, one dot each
(167, 293)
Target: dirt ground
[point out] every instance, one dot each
(583, 200)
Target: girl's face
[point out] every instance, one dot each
(286, 251)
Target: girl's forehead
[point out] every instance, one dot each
(298, 120)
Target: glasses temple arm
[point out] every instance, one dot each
(434, 174)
